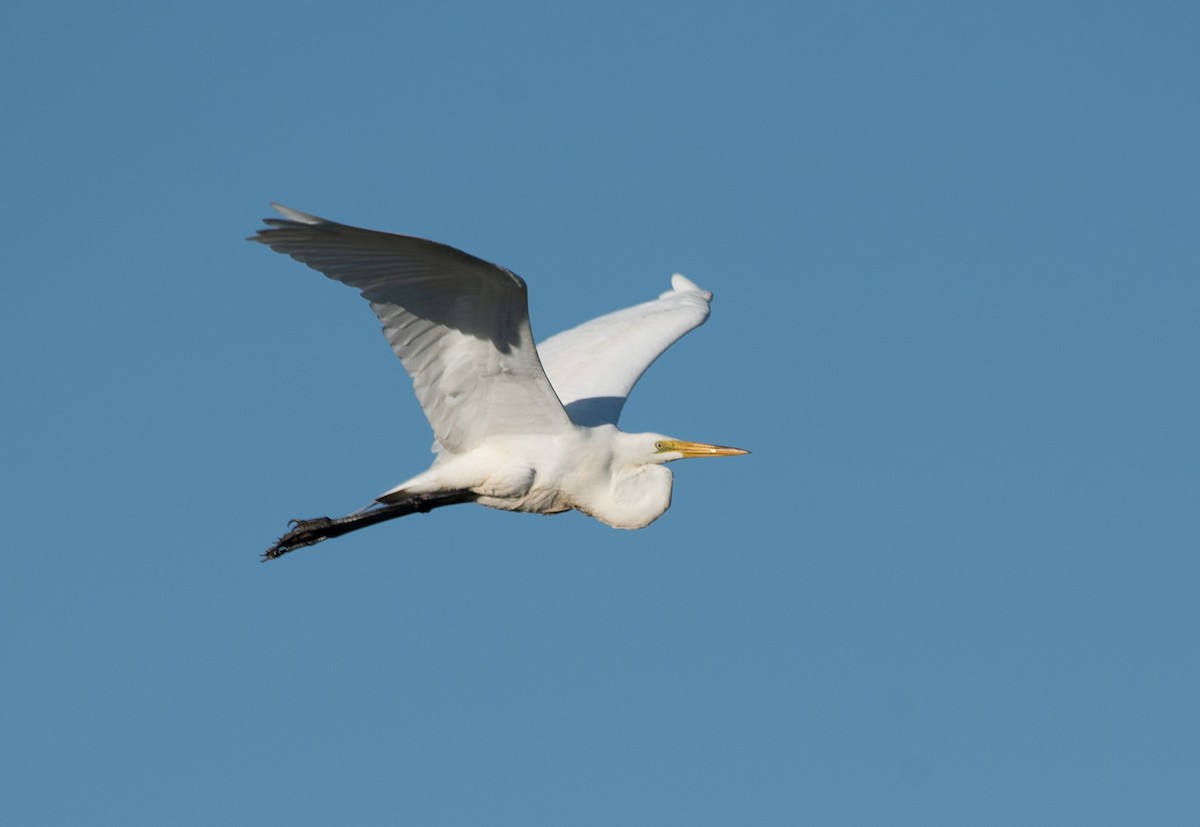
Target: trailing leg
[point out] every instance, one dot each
(310, 532)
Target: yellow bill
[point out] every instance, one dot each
(697, 449)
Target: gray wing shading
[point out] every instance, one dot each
(593, 367)
(460, 325)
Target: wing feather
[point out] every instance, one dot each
(593, 367)
(459, 324)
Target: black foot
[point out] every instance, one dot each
(303, 533)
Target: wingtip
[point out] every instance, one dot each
(289, 216)
(296, 215)
(682, 284)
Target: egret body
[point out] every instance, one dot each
(518, 427)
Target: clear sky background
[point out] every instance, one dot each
(955, 255)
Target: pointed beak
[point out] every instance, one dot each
(700, 449)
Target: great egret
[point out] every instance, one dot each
(517, 427)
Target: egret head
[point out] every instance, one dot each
(635, 489)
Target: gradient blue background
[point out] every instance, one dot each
(955, 256)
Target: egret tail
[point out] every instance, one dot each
(310, 532)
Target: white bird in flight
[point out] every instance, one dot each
(518, 427)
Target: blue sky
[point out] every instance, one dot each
(955, 258)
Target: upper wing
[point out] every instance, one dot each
(593, 367)
(459, 324)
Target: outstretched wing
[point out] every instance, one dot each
(593, 367)
(459, 324)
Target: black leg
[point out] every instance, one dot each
(310, 532)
